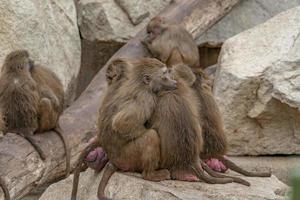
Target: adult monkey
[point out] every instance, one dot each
(129, 102)
(31, 99)
(172, 44)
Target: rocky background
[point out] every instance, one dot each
(255, 49)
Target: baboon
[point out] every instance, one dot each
(172, 44)
(128, 104)
(176, 120)
(31, 98)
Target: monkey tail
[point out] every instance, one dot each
(77, 170)
(66, 147)
(231, 165)
(218, 175)
(5, 189)
(35, 146)
(108, 172)
(197, 168)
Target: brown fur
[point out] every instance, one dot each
(129, 102)
(171, 43)
(176, 119)
(211, 121)
(32, 98)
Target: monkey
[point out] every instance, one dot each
(51, 105)
(172, 44)
(128, 104)
(31, 99)
(176, 120)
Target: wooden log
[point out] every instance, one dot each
(20, 165)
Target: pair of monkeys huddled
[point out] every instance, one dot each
(161, 119)
(31, 100)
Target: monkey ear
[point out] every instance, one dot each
(146, 79)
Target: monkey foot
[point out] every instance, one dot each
(159, 175)
(183, 175)
(96, 159)
(216, 165)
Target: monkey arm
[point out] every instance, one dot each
(130, 121)
(183, 71)
(48, 93)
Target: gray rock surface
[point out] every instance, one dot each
(48, 29)
(129, 186)
(245, 15)
(257, 87)
(106, 20)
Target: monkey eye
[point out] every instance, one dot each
(164, 78)
(146, 79)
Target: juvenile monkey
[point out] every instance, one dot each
(172, 44)
(128, 104)
(31, 98)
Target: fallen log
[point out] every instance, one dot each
(20, 165)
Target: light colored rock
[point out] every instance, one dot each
(280, 166)
(129, 186)
(257, 87)
(48, 29)
(135, 10)
(245, 15)
(105, 20)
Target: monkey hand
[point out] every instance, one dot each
(216, 165)
(96, 159)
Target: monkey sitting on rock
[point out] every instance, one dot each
(129, 102)
(31, 99)
(172, 44)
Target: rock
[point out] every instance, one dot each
(135, 10)
(129, 186)
(257, 87)
(94, 55)
(245, 15)
(281, 166)
(105, 26)
(48, 29)
(106, 20)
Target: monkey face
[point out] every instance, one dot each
(155, 28)
(163, 81)
(17, 62)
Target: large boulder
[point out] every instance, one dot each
(120, 20)
(243, 16)
(257, 87)
(129, 186)
(48, 29)
(106, 25)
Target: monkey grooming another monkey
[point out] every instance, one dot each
(176, 120)
(31, 98)
(128, 104)
(172, 44)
